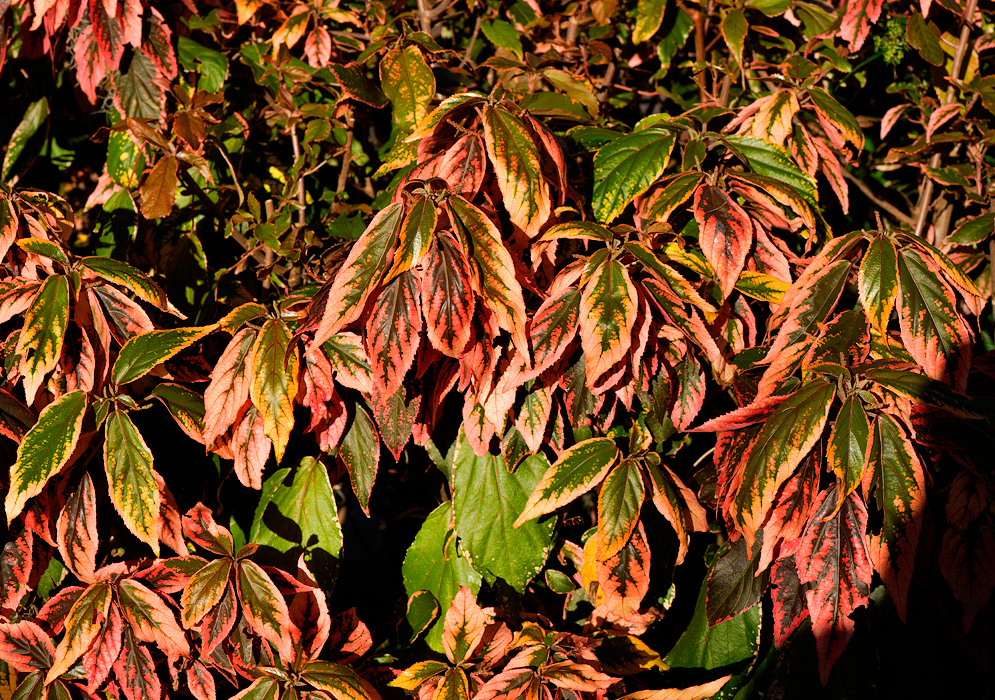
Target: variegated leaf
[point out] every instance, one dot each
(408, 83)
(341, 682)
(76, 532)
(725, 234)
(359, 274)
(896, 481)
(552, 328)
(25, 646)
(394, 332)
(626, 167)
(606, 317)
(784, 440)
(130, 478)
(772, 122)
(495, 271)
(577, 471)
(877, 281)
(135, 671)
(833, 558)
(143, 352)
(619, 504)
(204, 590)
(83, 625)
(45, 449)
(274, 369)
(415, 237)
(265, 608)
(515, 159)
(226, 395)
(360, 452)
(848, 449)
(40, 342)
(464, 626)
(151, 620)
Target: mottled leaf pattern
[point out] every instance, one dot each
(606, 316)
(275, 364)
(515, 159)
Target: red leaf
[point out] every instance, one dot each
(219, 622)
(967, 552)
(833, 558)
(725, 234)
(77, 531)
(790, 608)
(265, 608)
(393, 332)
(200, 682)
(623, 580)
(858, 16)
(15, 570)
(25, 646)
(104, 652)
(135, 672)
(150, 619)
(200, 527)
(447, 298)
(464, 626)
(228, 392)
(251, 447)
(318, 47)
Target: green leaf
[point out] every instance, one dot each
(45, 450)
(433, 563)
(973, 230)
(83, 623)
(627, 167)
(848, 444)
(360, 452)
(619, 504)
(273, 371)
(515, 159)
(130, 478)
(674, 191)
(836, 114)
(773, 161)
(341, 682)
(212, 65)
(355, 85)
(409, 84)
(486, 501)
(649, 17)
(204, 590)
(924, 37)
(877, 282)
(577, 471)
(186, 407)
(677, 26)
(143, 352)
(300, 516)
(729, 642)
(415, 238)
(734, 29)
(34, 116)
(125, 159)
(40, 341)
(504, 35)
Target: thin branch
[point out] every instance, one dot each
(301, 199)
(473, 40)
(895, 212)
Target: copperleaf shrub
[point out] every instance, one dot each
(471, 350)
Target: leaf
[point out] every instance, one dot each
(515, 159)
(649, 17)
(45, 449)
(784, 440)
(725, 234)
(729, 642)
(204, 590)
(486, 501)
(34, 116)
(76, 532)
(577, 677)
(833, 557)
(877, 281)
(504, 35)
(848, 446)
(394, 332)
(829, 110)
(415, 237)
(973, 230)
(199, 526)
(200, 682)
(695, 692)
(186, 407)
(690, 392)
(274, 368)
(735, 584)
(774, 162)
(896, 481)
(761, 286)
(16, 568)
(577, 471)
(40, 341)
(264, 608)
(607, 315)
(83, 624)
(25, 646)
(44, 248)
(924, 37)
(626, 167)
(734, 29)
(447, 299)
(790, 607)
(127, 276)
(261, 689)
(143, 352)
(159, 189)
(220, 620)
(226, 395)
(130, 478)
(408, 83)
(772, 122)
(294, 517)
(932, 329)
(150, 618)
(434, 564)
(674, 190)
(967, 550)
(359, 274)
(495, 270)
(619, 504)
(464, 626)
(858, 16)
(360, 452)
(413, 676)
(135, 671)
(341, 682)
(623, 580)
(806, 304)
(552, 327)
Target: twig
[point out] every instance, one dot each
(301, 199)
(346, 159)
(926, 196)
(473, 40)
(895, 212)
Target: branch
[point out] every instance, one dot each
(895, 212)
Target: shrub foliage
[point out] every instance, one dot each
(584, 350)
